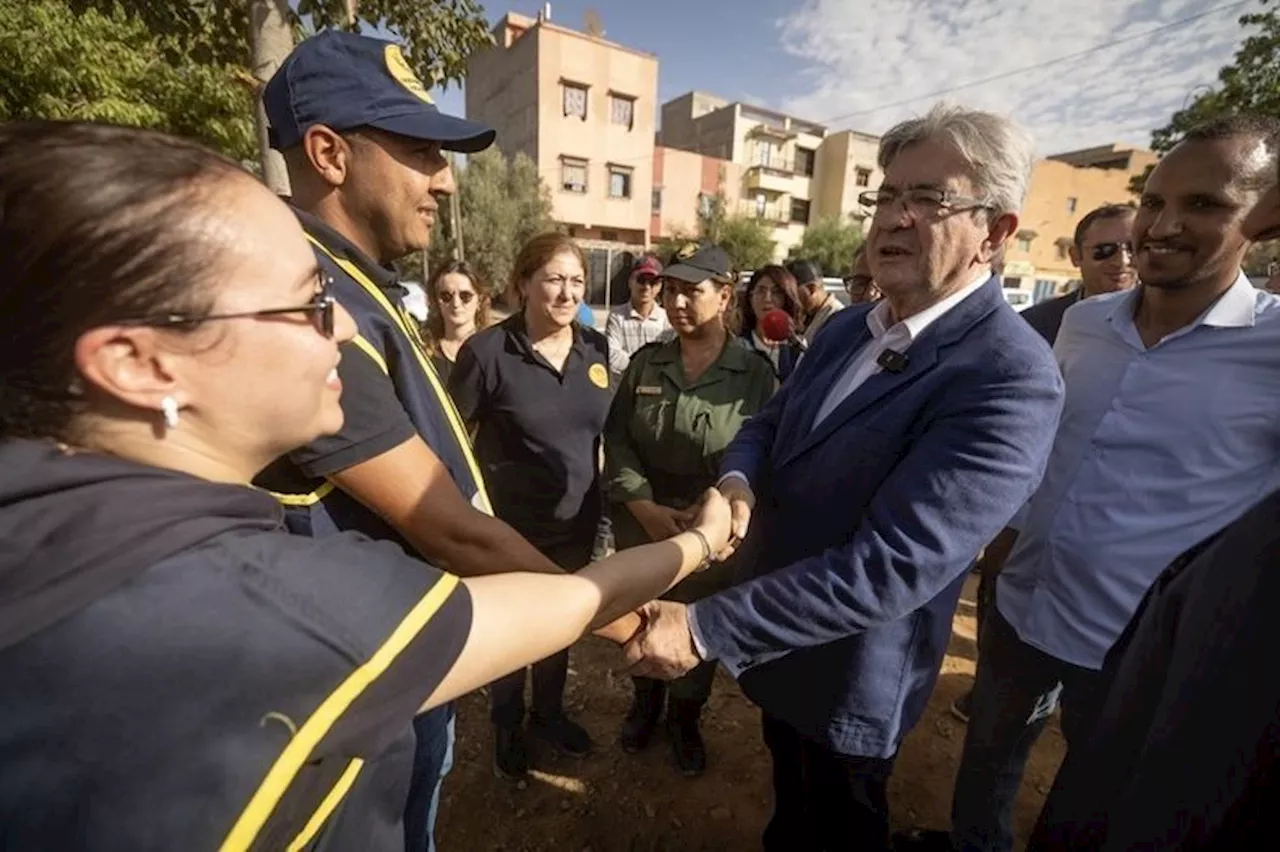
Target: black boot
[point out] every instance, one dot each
(642, 718)
(510, 758)
(686, 739)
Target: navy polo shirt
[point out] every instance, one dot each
(537, 430)
(389, 394)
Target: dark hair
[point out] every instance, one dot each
(90, 233)
(786, 283)
(1106, 211)
(434, 326)
(805, 272)
(1264, 128)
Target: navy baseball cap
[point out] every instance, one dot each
(343, 80)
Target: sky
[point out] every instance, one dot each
(867, 64)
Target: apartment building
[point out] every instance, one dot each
(684, 186)
(583, 109)
(777, 155)
(846, 168)
(1064, 187)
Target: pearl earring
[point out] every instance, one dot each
(169, 406)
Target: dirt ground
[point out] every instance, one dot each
(614, 802)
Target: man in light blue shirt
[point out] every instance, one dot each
(1170, 431)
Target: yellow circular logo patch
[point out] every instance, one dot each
(398, 68)
(598, 375)
(687, 251)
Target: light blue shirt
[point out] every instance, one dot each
(1157, 449)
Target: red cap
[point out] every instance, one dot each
(776, 326)
(647, 266)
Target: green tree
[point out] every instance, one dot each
(501, 204)
(107, 66)
(831, 243)
(748, 241)
(1250, 84)
(248, 39)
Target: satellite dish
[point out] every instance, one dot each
(595, 26)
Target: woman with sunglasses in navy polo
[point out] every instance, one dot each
(458, 306)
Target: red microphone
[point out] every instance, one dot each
(777, 327)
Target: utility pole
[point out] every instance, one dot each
(455, 215)
(271, 40)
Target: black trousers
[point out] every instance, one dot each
(506, 694)
(824, 801)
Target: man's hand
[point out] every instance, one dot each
(741, 501)
(659, 522)
(664, 647)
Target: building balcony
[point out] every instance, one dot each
(774, 177)
(770, 131)
(773, 213)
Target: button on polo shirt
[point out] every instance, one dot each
(537, 430)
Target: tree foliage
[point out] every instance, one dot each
(831, 243)
(106, 66)
(185, 66)
(502, 203)
(438, 35)
(748, 241)
(1250, 84)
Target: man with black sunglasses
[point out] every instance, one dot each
(1103, 252)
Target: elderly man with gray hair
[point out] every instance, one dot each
(909, 435)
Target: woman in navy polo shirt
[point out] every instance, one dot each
(535, 391)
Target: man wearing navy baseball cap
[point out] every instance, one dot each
(363, 145)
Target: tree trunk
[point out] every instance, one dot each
(271, 39)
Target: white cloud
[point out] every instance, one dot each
(867, 56)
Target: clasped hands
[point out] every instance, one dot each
(663, 647)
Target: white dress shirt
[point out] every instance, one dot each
(897, 337)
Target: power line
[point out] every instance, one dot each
(1016, 71)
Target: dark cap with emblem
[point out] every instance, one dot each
(343, 81)
(696, 262)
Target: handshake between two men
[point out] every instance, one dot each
(663, 646)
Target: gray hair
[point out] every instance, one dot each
(998, 152)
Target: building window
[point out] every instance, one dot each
(760, 204)
(804, 162)
(619, 182)
(573, 175)
(622, 110)
(1062, 249)
(575, 100)
(1071, 205)
(800, 211)
(862, 177)
(1024, 244)
(657, 199)
(704, 204)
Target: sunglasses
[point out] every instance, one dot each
(1106, 251)
(320, 308)
(464, 297)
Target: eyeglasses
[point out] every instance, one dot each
(1106, 251)
(921, 202)
(321, 308)
(464, 296)
(648, 281)
(861, 287)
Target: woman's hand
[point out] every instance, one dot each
(659, 522)
(714, 519)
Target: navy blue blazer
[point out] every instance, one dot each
(865, 527)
